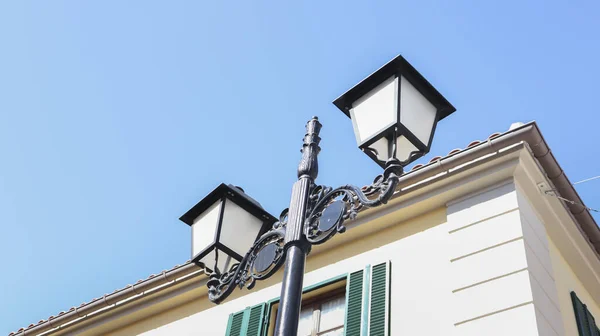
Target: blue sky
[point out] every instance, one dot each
(117, 116)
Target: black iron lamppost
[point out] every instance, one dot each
(394, 112)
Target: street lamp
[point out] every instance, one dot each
(394, 112)
(224, 225)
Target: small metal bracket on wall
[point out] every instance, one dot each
(545, 189)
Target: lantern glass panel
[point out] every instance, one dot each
(223, 262)
(205, 227)
(239, 229)
(404, 148)
(383, 150)
(417, 113)
(376, 111)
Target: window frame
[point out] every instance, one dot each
(366, 290)
(317, 302)
(312, 293)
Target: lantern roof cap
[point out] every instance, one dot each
(232, 192)
(398, 66)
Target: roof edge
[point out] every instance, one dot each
(140, 289)
(528, 133)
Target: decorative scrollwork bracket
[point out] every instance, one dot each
(263, 259)
(329, 208)
(326, 211)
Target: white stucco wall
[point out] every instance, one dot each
(541, 272)
(490, 273)
(567, 281)
(481, 266)
(419, 298)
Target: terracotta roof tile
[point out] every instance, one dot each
(86, 303)
(417, 166)
(454, 151)
(473, 143)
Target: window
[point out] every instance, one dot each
(323, 317)
(323, 309)
(586, 324)
(352, 304)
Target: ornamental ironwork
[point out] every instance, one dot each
(326, 212)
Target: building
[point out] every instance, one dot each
(488, 240)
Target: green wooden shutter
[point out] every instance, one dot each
(591, 322)
(248, 322)
(379, 304)
(354, 295)
(234, 326)
(367, 302)
(255, 320)
(586, 324)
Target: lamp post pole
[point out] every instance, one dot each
(394, 112)
(296, 245)
(315, 215)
